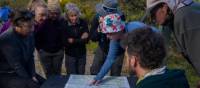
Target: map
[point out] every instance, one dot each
(82, 81)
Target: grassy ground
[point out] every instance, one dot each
(174, 60)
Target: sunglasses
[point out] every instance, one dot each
(108, 9)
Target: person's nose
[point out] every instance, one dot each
(44, 17)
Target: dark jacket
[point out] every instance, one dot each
(49, 36)
(16, 54)
(78, 48)
(170, 79)
(99, 37)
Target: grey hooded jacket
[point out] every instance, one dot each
(187, 29)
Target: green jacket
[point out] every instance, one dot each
(170, 79)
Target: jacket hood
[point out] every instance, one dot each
(174, 5)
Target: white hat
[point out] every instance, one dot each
(150, 4)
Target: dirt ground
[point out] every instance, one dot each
(90, 56)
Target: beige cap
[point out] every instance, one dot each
(53, 5)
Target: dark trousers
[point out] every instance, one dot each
(14, 81)
(99, 60)
(75, 65)
(51, 62)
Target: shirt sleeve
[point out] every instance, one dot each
(31, 62)
(85, 30)
(32, 66)
(114, 51)
(94, 34)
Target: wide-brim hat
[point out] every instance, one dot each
(108, 5)
(112, 23)
(151, 4)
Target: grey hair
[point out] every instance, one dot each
(71, 7)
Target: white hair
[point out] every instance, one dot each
(71, 7)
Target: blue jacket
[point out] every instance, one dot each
(115, 50)
(99, 37)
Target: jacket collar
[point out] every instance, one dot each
(70, 24)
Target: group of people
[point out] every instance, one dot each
(54, 36)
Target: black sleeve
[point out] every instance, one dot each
(85, 27)
(85, 30)
(13, 57)
(38, 39)
(94, 34)
(31, 62)
(31, 66)
(64, 33)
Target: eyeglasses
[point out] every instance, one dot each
(108, 10)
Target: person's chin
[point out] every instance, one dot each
(53, 18)
(41, 21)
(26, 34)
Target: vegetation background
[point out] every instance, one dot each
(134, 10)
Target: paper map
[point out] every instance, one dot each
(82, 81)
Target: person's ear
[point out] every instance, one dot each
(133, 61)
(17, 29)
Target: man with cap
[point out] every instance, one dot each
(50, 43)
(17, 68)
(102, 9)
(185, 15)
